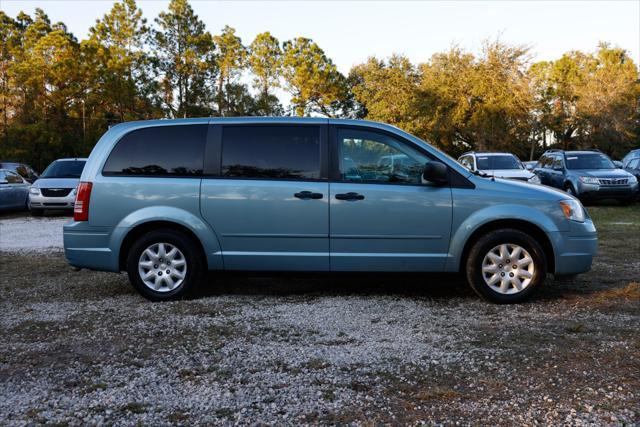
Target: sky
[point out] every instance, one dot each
(351, 31)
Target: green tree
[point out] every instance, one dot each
(122, 73)
(478, 103)
(185, 60)
(387, 91)
(49, 81)
(608, 100)
(312, 79)
(231, 60)
(10, 40)
(265, 63)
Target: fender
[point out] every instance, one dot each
(477, 219)
(196, 225)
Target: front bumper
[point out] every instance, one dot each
(43, 202)
(601, 192)
(574, 249)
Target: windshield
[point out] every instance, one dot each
(589, 161)
(506, 161)
(64, 169)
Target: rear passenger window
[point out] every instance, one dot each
(159, 151)
(271, 152)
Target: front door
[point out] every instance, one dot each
(382, 216)
(269, 206)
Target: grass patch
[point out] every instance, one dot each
(631, 292)
(436, 393)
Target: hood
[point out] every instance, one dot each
(602, 173)
(509, 173)
(56, 183)
(521, 189)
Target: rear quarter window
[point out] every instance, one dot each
(159, 151)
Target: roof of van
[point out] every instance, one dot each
(252, 119)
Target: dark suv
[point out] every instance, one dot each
(589, 175)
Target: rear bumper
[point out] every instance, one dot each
(88, 247)
(574, 250)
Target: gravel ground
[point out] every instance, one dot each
(31, 234)
(82, 348)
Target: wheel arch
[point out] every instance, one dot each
(518, 224)
(145, 227)
(165, 217)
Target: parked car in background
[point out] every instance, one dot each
(499, 165)
(630, 155)
(21, 169)
(56, 187)
(167, 200)
(633, 167)
(530, 165)
(14, 191)
(588, 175)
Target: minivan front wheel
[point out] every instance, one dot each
(164, 265)
(506, 266)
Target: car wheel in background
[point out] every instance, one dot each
(569, 189)
(506, 266)
(165, 265)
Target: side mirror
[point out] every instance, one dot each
(618, 164)
(436, 173)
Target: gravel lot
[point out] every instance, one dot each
(82, 347)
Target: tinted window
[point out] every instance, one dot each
(159, 151)
(498, 162)
(375, 157)
(634, 164)
(589, 161)
(3, 177)
(64, 169)
(283, 152)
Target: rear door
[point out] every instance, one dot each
(267, 195)
(384, 219)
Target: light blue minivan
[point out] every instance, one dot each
(168, 200)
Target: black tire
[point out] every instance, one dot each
(569, 189)
(489, 241)
(195, 270)
(37, 212)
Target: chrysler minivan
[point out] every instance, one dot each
(168, 200)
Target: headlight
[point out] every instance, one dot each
(35, 191)
(632, 179)
(534, 179)
(572, 209)
(590, 180)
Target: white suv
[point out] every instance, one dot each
(500, 165)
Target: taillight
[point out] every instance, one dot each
(81, 206)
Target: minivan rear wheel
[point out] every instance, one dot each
(506, 266)
(165, 265)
